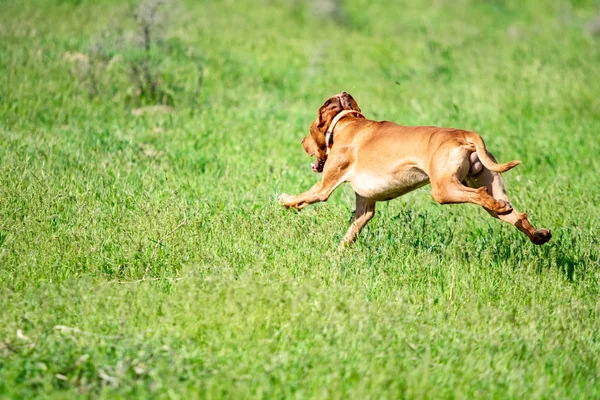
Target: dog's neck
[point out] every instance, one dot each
(336, 119)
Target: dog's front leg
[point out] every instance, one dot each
(319, 192)
(333, 176)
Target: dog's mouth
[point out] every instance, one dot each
(318, 165)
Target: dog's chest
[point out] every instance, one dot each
(386, 185)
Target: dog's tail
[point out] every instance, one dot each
(486, 159)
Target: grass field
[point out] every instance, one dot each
(143, 252)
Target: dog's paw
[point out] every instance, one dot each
(503, 207)
(286, 200)
(541, 236)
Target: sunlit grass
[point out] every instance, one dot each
(146, 255)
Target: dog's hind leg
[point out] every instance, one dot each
(365, 210)
(494, 184)
(448, 169)
(449, 190)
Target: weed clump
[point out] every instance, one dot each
(325, 10)
(140, 66)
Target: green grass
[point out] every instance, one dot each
(146, 256)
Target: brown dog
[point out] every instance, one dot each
(382, 161)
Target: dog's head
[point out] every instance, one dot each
(314, 142)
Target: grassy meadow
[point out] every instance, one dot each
(142, 250)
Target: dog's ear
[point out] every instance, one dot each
(309, 145)
(335, 105)
(348, 102)
(316, 137)
(327, 112)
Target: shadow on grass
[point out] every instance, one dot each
(567, 264)
(570, 251)
(565, 252)
(416, 229)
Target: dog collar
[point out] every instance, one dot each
(329, 132)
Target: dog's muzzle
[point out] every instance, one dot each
(318, 165)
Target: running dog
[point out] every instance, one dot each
(383, 160)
